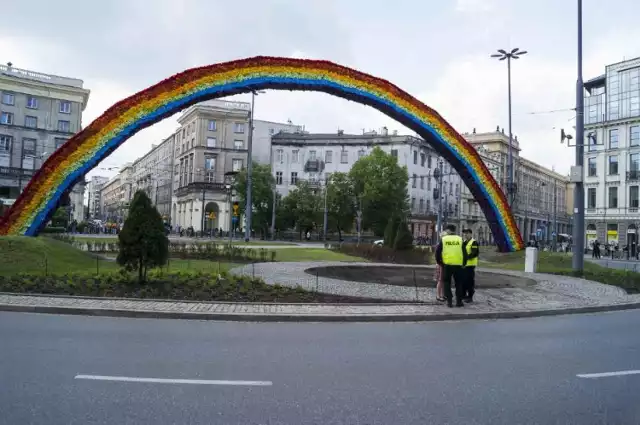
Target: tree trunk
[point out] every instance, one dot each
(140, 271)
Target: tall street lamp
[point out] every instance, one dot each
(249, 206)
(577, 173)
(502, 55)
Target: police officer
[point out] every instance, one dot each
(473, 251)
(451, 255)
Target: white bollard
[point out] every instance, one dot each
(530, 260)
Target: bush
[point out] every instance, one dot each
(404, 238)
(53, 229)
(176, 286)
(383, 254)
(627, 280)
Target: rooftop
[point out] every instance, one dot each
(25, 74)
(339, 138)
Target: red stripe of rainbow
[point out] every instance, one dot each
(81, 153)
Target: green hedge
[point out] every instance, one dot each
(197, 286)
(53, 229)
(384, 254)
(627, 280)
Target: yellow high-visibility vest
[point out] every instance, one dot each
(452, 250)
(471, 261)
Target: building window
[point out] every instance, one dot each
(633, 197)
(210, 168)
(344, 157)
(312, 155)
(295, 155)
(429, 161)
(8, 98)
(457, 189)
(280, 156)
(415, 157)
(423, 159)
(211, 142)
(30, 121)
(32, 102)
(64, 126)
(428, 182)
(238, 144)
(236, 165)
(613, 165)
(65, 107)
(591, 167)
(272, 131)
(634, 162)
(360, 153)
(6, 118)
(421, 206)
(428, 206)
(5, 143)
(29, 146)
(238, 127)
(294, 178)
(613, 139)
(591, 197)
(413, 203)
(28, 162)
(328, 157)
(613, 197)
(421, 182)
(394, 153)
(414, 179)
(634, 135)
(278, 177)
(59, 141)
(212, 125)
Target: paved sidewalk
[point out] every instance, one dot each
(551, 295)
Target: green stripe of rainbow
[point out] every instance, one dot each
(82, 152)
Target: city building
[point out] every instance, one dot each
(153, 174)
(612, 154)
(262, 133)
(38, 113)
(540, 198)
(94, 187)
(210, 143)
(314, 157)
(76, 198)
(115, 196)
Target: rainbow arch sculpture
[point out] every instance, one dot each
(68, 165)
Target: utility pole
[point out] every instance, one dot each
(555, 214)
(249, 206)
(439, 186)
(203, 214)
(326, 212)
(273, 214)
(578, 172)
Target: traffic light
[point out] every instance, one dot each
(236, 209)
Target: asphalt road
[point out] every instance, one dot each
(482, 372)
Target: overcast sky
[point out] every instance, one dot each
(436, 50)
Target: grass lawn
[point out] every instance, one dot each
(39, 256)
(558, 263)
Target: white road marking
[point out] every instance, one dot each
(608, 374)
(174, 381)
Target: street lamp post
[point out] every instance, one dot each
(249, 206)
(502, 55)
(229, 178)
(438, 177)
(326, 212)
(577, 261)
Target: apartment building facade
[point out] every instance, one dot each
(210, 143)
(38, 113)
(314, 157)
(612, 155)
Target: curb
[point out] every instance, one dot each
(247, 317)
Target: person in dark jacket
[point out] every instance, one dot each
(470, 246)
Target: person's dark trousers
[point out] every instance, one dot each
(457, 273)
(470, 282)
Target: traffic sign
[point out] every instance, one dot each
(236, 209)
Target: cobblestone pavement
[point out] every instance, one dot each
(549, 292)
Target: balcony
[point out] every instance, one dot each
(314, 166)
(633, 175)
(422, 212)
(199, 187)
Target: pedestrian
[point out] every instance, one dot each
(451, 255)
(439, 278)
(473, 251)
